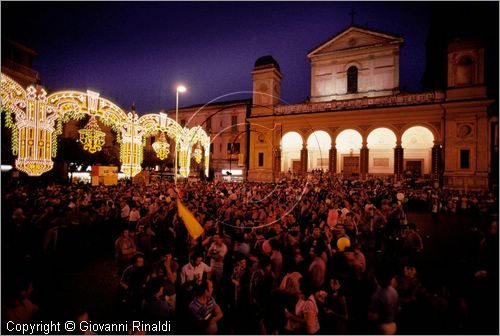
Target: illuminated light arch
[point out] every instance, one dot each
(75, 105)
(417, 142)
(318, 147)
(34, 133)
(154, 123)
(291, 144)
(381, 143)
(189, 139)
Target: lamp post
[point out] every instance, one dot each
(230, 162)
(132, 144)
(182, 89)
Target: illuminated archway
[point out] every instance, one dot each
(381, 143)
(190, 138)
(318, 147)
(417, 142)
(291, 144)
(39, 120)
(348, 144)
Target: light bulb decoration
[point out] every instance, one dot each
(161, 147)
(197, 155)
(190, 137)
(92, 137)
(33, 128)
(131, 149)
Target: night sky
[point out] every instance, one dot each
(139, 51)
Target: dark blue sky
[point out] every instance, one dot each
(139, 51)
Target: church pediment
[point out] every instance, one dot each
(354, 38)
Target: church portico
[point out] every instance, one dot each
(390, 141)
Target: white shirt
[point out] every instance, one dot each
(189, 272)
(125, 212)
(310, 310)
(134, 216)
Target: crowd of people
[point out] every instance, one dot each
(312, 255)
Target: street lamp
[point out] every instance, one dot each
(132, 149)
(181, 89)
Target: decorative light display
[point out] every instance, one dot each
(92, 137)
(39, 121)
(197, 155)
(32, 132)
(15, 134)
(131, 150)
(190, 137)
(161, 147)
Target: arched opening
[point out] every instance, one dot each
(291, 144)
(348, 144)
(318, 147)
(465, 71)
(352, 79)
(417, 142)
(263, 94)
(381, 143)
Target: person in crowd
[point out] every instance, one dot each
(18, 307)
(133, 218)
(155, 306)
(240, 279)
(217, 251)
(276, 258)
(124, 213)
(317, 268)
(306, 316)
(384, 305)
(192, 272)
(204, 311)
(125, 249)
(133, 281)
(166, 269)
(334, 315)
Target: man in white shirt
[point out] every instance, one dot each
(125, 211)
(133, 218)
(192, 272)
(217, 251)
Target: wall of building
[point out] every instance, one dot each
(375, 55)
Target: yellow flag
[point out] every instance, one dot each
(194, 228)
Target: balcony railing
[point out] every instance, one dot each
(353, 104)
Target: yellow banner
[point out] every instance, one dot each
(194, 228)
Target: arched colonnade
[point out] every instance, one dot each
(379, 151)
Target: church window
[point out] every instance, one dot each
(465, 71)
(352, 80)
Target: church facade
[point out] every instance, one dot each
(358, 124)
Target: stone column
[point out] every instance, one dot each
(436, 162)
(398, 162)
(363, 161)
(277, 161)
(303, 159)
(332, 161)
